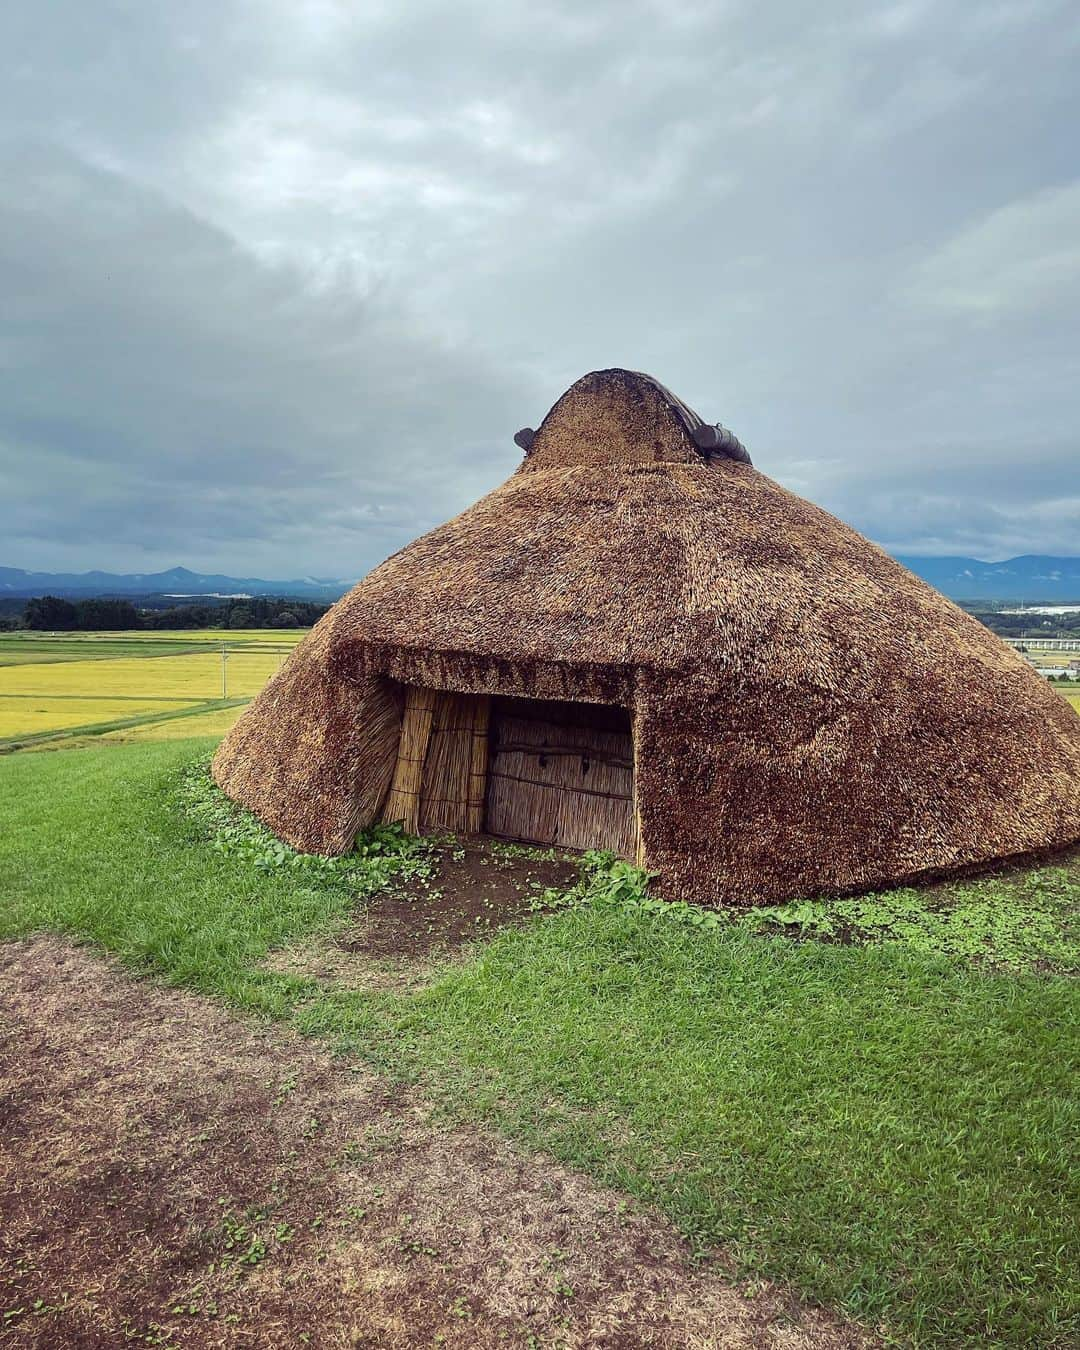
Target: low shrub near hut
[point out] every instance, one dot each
(1028, 920)
(381, 854)
(608, 882)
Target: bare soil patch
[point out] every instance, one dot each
(476, 886)
(172, 1176)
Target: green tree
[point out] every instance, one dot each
(106, 616)
(49, 612)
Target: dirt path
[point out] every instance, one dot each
(172, 1176)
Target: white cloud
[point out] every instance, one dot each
(1021, 257)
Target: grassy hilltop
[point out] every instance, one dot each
(887, 1122)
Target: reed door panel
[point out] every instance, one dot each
(455, 765)
(562, 774)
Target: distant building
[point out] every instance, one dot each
(1045, 644)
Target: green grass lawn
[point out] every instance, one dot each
(891, 1130)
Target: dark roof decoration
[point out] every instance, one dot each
(712, 440)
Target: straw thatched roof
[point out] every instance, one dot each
(808, 715)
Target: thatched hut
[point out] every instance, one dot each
(639, 642)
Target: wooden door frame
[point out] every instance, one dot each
(420, 718)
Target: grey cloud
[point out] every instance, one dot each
(164, 391)
(282, 279)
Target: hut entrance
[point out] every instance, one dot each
(562, 774)
(541, 772)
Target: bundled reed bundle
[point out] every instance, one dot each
(403, 800)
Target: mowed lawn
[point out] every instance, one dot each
(891, 1131)
(115, 684)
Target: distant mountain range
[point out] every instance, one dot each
(178, 582)
(1030, 578)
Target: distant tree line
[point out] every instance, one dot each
(258, 612)
(1029, 624)
(52, 614)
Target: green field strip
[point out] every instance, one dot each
(241, 649)
(188, 640)
(204, 638)
(111, 698)
(159, 656)
(89, 644)
(49, 657)
(14, 640)
(10, 743)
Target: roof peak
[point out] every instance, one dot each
(618, 416)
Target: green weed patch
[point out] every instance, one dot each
(1030, 922)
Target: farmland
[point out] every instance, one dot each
(1043, 658)
(116, 686)
(61, 689)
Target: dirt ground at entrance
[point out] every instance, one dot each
(475, 886)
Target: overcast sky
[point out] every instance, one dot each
(279, 279)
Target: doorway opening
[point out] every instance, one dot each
(536, 771)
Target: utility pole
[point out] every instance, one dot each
(224, 671)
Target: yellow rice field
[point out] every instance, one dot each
(214, 723)
(196, 677)
(53, 685)
(29, 717)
